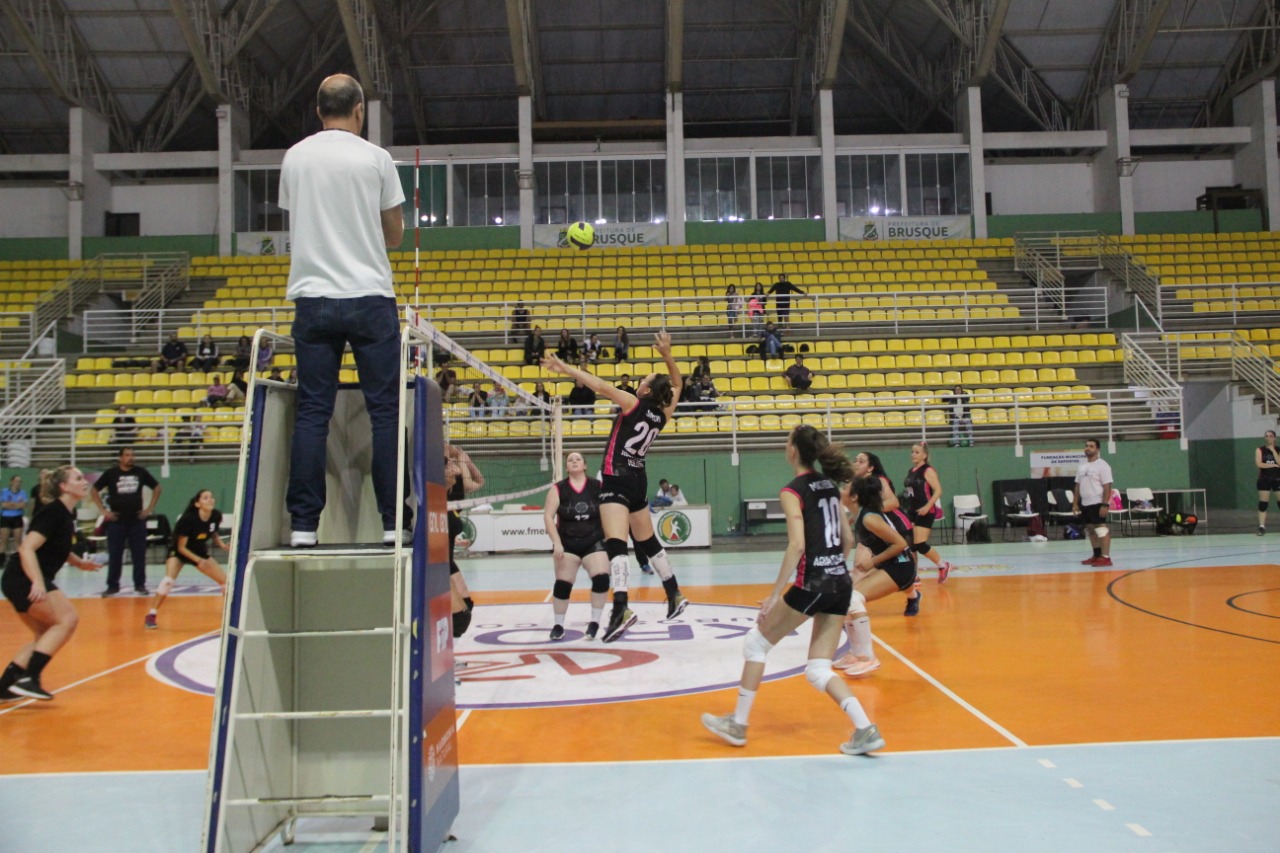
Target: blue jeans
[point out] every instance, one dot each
(322, 328)
(133, 535)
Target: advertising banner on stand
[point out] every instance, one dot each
(262, 243)
(905, 227)
(615, 235)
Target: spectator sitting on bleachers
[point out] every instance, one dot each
(266, 355)
(217, 394)
(770, 341)
(799, 377)
(621, 344)
(519, 320)
(499, 402)
(206, 355)
(238, 388)
(478, 401)
(593, 349)
(244, 351)
(662, 497)
(704, 393)
(190, 434)
(124, 427)
(275, 375)
(540, 391)
(173, 354)
(581, 398)
(535, 347)
(567, 348)
(702, 368)
(447, 379)
(624, 384)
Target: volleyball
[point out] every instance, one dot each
(581, 235)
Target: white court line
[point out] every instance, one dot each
(375, 841)
(1044, 762)
(104, 672)
(1074, 783)
(1138, 829)
(462, 719)
(1104, 805)
(1001, 730)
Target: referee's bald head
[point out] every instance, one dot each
(338, 96)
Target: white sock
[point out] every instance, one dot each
(620, 573)
(853, 708)
(560, 619)
(661, 564)
(596, 613)
(860, 636)
(743, 712)
(153, 611)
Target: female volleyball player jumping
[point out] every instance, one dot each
(195, 531)
(818, 545)
(28, 582)
(572, 515)
(461, 478)
(624, 488)
(924, 506)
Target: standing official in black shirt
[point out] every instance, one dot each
(126, 518)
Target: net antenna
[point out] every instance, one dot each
(506, 462)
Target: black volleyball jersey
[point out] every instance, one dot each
(872, 542)
(820, 507)
(199, 532)
(579, 514)
(1268, 456)
(897, 518)
(917, 489)
(633, 431)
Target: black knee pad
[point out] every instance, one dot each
(920, 547)
(471, 605)
(649, 548)
(616, 548)
(561, 590)
(461, 622)
(1262, 505)
(453, 568)
(600, 583)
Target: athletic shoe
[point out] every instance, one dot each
(141, 590)
(619, 621)
(1102, 562)
(1092, 561)
(846, 659)
(302, 539)
(1262, 531)
(863, 741)
(150, 622)
(30, 687)
(593, 628)
(110, 591)
(726, 728)
(944, 571)
(8, 695)
(913, 605)
(676, 605)
(862, 667)
(646, 568)
(557, 632)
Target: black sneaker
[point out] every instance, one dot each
(593, 628)
(557, 632)
(646, 568)
(1262, 531)
(30, 688)
(619, 621)
(8, 695)
(676, 605)
(141, 590)
(913, 605)
(110, 591)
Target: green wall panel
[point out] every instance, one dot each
(754, 231)
(194, 244)
(456, 239)
(1007, 226)
(33, 248)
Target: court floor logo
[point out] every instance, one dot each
(506, 661)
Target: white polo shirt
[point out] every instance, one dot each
(335, 186)
(1093, 478)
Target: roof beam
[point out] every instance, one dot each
(524, 52)
(832, 15)
(931, 84)
(1255, 58)
(202, 28)
(994, 31)
(675, 45)
(364, 39)
(54, 44)
(1133, 26)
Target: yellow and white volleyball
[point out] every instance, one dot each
(581, 235)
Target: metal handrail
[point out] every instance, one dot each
(1145, 287)
(1223, 354)
(31, 393)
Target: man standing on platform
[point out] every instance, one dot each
(1091, 500)
(126, 519)
(344, 197)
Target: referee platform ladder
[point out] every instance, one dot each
(335, 693)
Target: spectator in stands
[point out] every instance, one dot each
(760, 294)
(447, 379)
(624, 383)
(478, 401)
(190, 434)
(206, 355)
(13, 503)
(567, 348)
(755, 311)
(957, 403)
(733, 305)
(593, 350)
(701, 368)
(677, 496)
(782, 290)
(707, 393)
(540, 391)
(217, 394)
(124, 427)
(799, 377)
(621, 345)
(534, 346)
(238, 389)
(770, 341)
(267, 354)
(275, 375)
(244, 351)
(519, 320)
(173, 355)
(581, 398)
(499, 401)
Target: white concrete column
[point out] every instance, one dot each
(378, 123)
(528, 201)
(825, 118)
(89, 195)
(969, 115)
(233, 135)
(1256, 165)
(1111, 189)
(675, 168)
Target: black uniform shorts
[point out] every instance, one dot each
(631, 491)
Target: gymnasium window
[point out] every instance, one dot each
(633, 190)
(566, 191)
(938, 185)
(788, 187)
(868, 185)
(485, 194)
(257, 200)
(717, 189)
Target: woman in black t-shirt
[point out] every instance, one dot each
(572, 517)
(461, 478)
(28, 582)
(193, 535)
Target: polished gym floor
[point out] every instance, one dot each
(1034, 704)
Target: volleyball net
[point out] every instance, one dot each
(513, 437)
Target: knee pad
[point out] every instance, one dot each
(920, 547)
(615, 548)
(818, 671)
(166, 586)
(561, 590)
(755, 647)
(461, 622)
(1262, 505)
(600, 583)
(649, 548)
(857, 602)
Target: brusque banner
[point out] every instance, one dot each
(619, 235)
(905, 227)
(262, 243)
